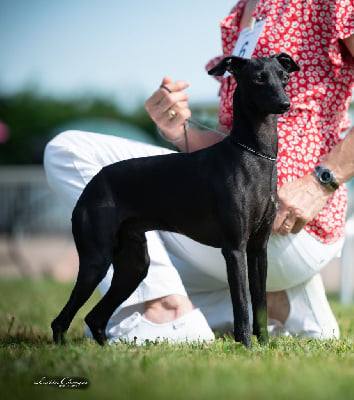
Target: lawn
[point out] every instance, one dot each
(31, 367)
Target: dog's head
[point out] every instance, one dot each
(263, 78)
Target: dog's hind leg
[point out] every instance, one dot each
(89, 276)
(94, 242)
(131, 262)
(257, 276)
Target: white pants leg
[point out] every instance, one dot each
(294, 263)
(74, 157)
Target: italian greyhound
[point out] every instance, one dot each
(223, 196)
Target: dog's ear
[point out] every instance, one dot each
(286, 62)
(231, 64)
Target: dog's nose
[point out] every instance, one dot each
(285, 106)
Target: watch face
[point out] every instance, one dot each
(326, 176)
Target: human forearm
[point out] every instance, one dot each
(301, 200)
(341, 159)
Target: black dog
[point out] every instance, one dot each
(223, 196)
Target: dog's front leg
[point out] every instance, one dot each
(236, 274)
(257, 276)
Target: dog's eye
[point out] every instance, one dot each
(259, 79)
(285, 79)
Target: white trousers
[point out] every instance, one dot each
(180, 265)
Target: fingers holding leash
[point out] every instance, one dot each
(169, 96)
(168, 107)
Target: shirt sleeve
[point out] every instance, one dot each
(342, 17)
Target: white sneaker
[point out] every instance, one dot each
(277, 329)
(310, 314)
(191, 327)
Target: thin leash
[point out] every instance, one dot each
(243, 146)
(200, 125)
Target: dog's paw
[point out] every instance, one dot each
(59, 337)
(58, 332)
(98, 333)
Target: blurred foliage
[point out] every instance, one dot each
(31, 120)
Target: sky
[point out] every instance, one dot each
(117, 48)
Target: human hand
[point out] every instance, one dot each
(168, 108)
(299, 203)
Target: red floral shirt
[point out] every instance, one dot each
(320, 93)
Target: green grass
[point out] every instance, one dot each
(285, 369)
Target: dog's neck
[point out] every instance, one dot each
(253, 129)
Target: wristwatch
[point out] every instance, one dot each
(326, 178)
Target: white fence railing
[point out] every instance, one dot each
(347, 274)
(27, 204)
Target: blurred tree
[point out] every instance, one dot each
(31, 119)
